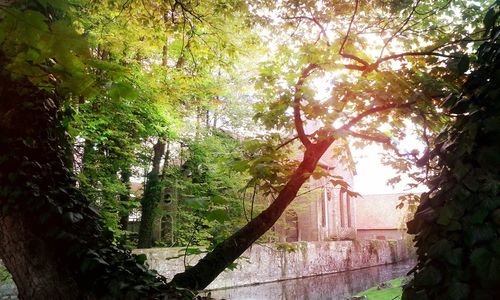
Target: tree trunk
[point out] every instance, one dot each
(52, 242)
(34, 268)
(153, 188)
(125, 197)
(207, 269)
(151, 198)
(33, 181)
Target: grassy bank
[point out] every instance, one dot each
(389, 290)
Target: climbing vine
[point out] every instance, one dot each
(458, 221)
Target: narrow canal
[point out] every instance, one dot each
(337, 286)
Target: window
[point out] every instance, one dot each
(348, 210)
(323, 208)
(342, 209)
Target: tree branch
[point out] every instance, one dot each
(401, 55)
(382, 139)
(287, 142)
(400, 28)
(315, 21)
(373, 110)
(366, 66)
(299, 124)
(349, 28)
(206, 270)
(354, 57)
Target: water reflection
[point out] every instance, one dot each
(332, 286)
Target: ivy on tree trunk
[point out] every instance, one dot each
(52, 241)
(151, 198)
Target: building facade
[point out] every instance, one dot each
(322, 211)
(379, 218)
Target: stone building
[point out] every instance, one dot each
(378, 218)
(322, 211)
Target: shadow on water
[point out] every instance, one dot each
(332, 286)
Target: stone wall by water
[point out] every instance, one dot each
(273, 262)
(8, 292)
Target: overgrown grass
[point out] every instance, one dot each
(393, 291)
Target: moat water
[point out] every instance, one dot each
(336, 286)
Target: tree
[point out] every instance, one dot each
(74, 253)
(107, 133)
(46, 68)
(457, 222)
(375, 94)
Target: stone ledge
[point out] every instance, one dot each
(274, 262)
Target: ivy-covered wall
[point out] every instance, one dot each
(458, 221)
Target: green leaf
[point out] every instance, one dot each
(73, 217)
(458, 291)
(107, 66)
(192, 251)
(219, 215)
(33, 27)
(463, 64)
(455, 256)
(480, 258)
(240, 166)
(141, 258)
(232, 266)
(445, 215)
(490, 18)
(429, 276)
(440, 248)
(477, 234)
(218, 199)
(197, 203)
(122, 90)
(61, 5)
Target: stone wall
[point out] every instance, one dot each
(381, 234)
(273, 262)
(8, 292)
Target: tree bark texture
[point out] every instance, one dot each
(151, 198)
(36, 271)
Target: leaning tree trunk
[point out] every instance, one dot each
(207, 269)
(51, 240)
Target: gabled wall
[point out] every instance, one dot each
(378, 218)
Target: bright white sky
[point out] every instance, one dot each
(372, 176)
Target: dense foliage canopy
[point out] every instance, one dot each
(190, 114)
